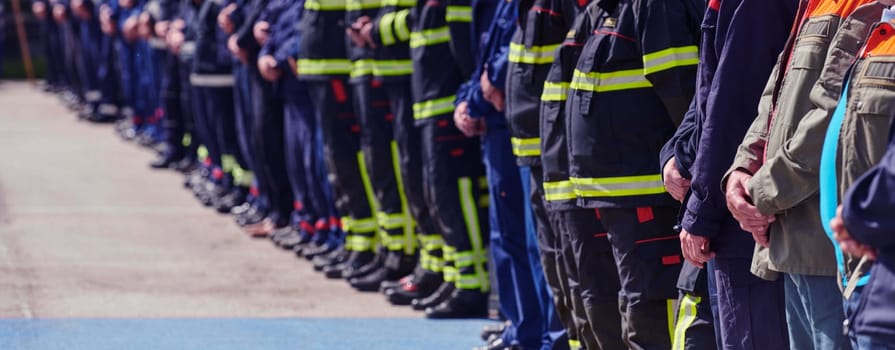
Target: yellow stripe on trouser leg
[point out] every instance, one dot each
(685, 317)
(450, 271)
(471, 217)
(228, 163)
(187, 140)
(202, 153)
(409, 224)
(670, 303)
(574, 344)
(364, 226)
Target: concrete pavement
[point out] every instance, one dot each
(88, 231)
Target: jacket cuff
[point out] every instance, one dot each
(701, 218)
(763, 200)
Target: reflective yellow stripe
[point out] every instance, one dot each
(359, 243)
(368, 224)
(555, 91)
(390, 68)
(385, 28)
(430, 37)
(471, 216)
(409, 223)
(685, 318)
(202, 152)
(450, 271)
(532, 55)
(323, 66)
(670, 58)
(458, 14)
(619, 186)
(574, 344)
(402, 31)
(228, 163)
(346, 223)
(391, 221)
(355, 5)
(399, 3)
(326, 5)
(469, 282)
(244, 178)
(559, 190)
(612, 81)
(530, 147)
(468, 258)
(187, 140)
(670, 316)
(361, 68)
(434, 108)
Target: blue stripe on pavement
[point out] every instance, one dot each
(241, 334)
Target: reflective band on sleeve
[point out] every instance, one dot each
(212, 80)
(430, 37)
(670, 58)
(555, 91)
(433, 108)
(559, 190)
(357, 5)
(326, 5)
(402, 31)
(324, 66)
(530, 147)
(461, 14)
(391, 68)
(386, 23)
(532, 55)
(619, 186)
(612, 81)
(361, 68)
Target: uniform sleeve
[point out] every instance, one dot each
(680, 146)
(750, 153)
(238, 16)
(245, 38)
(392, 27)
(669, 43)
(753, 40)
(869, 204)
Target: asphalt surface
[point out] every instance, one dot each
(88, 231)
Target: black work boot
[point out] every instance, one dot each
(416, 288)
(463, 303)
(441, 294)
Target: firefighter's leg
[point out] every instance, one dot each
(647, 253)
(353, 192)
(456, 192)
(269, 147)
(694, 327)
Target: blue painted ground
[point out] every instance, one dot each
(238, 334)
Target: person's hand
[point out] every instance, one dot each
(676, 185)
(468, 126)
(130, 29)
(59, 14)
(354, 32)
(145, 25)
(696, 249)
(261, 32)
(847, 243)
(107, 25)
(751, 220)
(366, 33)
(267, 66)
(492, 94)
(161, 28)
(80, 10)
(237, 51)
(224, 19)
(39, 9)
(178, 24)
(175, 41)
